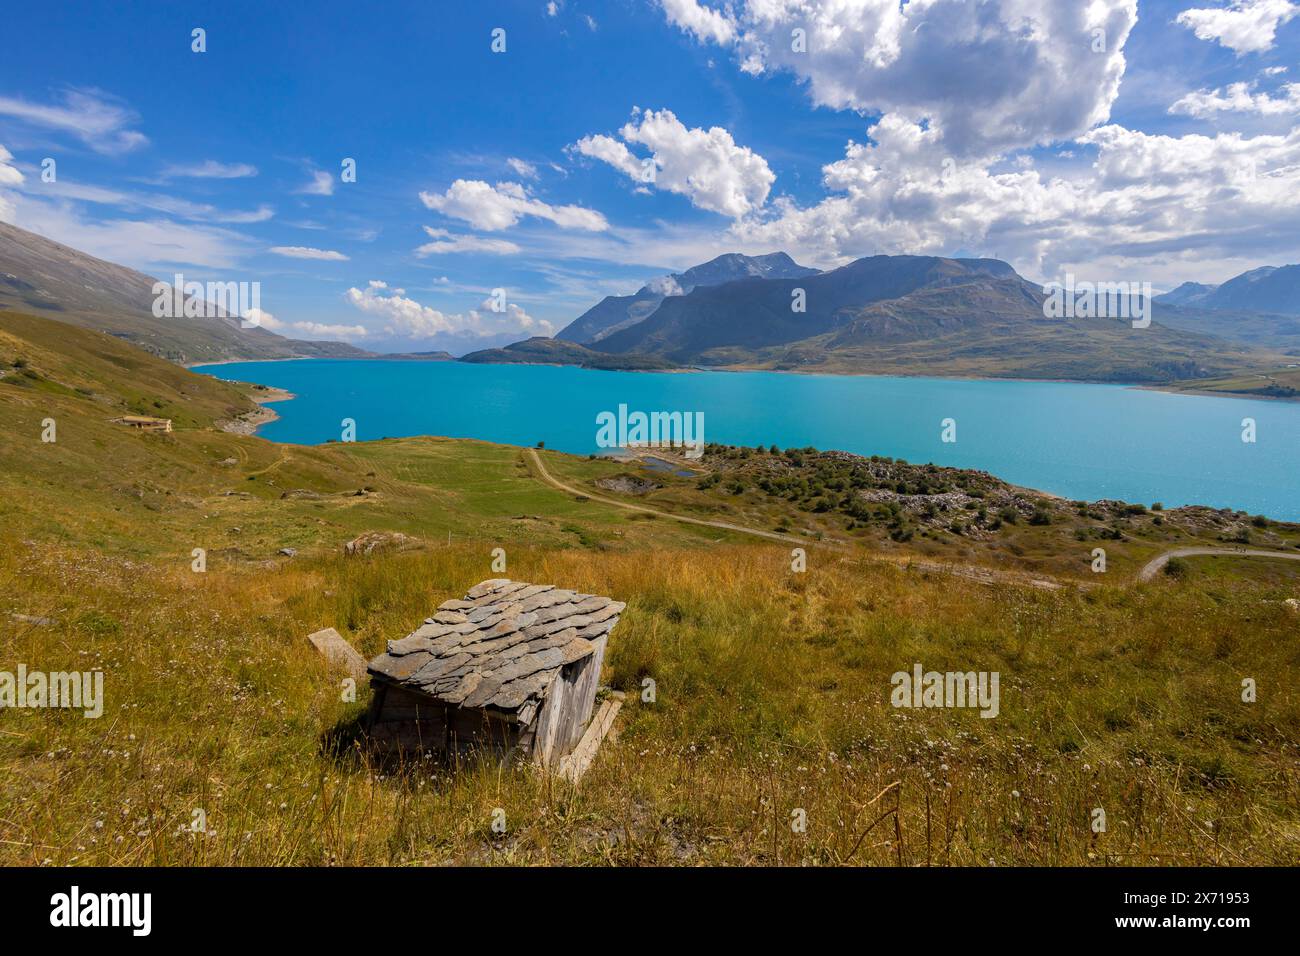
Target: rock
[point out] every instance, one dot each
(373, 541)
(338, 652)
(304, 493)
(627, 485)
(288, 552)
(1292, 605)
(34, 621)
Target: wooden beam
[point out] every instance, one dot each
(338, 652)
(574, 765)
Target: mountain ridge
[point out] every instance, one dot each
(614, 313)
(42, 277)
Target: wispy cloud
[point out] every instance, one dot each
(98, 120)
(140, 243)
(493, 208)
(307, 252)
(321, 184)
(156, 202)
(446, 242)
(316, 330)
(211, 169)
(522, 167)
(408, 318)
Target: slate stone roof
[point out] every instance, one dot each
(499, 647)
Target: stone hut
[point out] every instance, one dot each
(511, 669)
(145, 423)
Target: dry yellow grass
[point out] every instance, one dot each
(771, 697)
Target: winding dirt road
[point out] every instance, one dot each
(983, 575)
(1152, 567)
(628, 506)
(973, 572)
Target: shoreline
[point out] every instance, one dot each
(249, 422)
(1143, 386)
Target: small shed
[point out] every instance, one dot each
(145, 423)
(511, 669)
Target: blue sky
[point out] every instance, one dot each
(1150, 141)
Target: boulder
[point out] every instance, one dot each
(373, 541)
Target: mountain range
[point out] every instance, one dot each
(906, 315)
(42, 277)
(1266, 289)
(616, 312)
(903, 315)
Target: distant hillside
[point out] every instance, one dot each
(755, 313)
(616, 312)
(1271, 289)
(435, 356)
(543, 351)
(1263, 330)
(1189, 293)
(916, 315)
(1267, 289)
(43, 277)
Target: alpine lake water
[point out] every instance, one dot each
(1079, 441)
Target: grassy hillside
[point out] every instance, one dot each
(1281, 382)
(771, 687)
(42, 277)
(543, 351)
(922, 315)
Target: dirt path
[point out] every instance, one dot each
(628, 506)
(969, 571)
(1152, 567)
(284, 456)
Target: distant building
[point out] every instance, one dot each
(145, 423)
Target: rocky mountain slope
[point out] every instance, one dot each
(42, 277)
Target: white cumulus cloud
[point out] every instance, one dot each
(492, 208)
(995, 75)
(1239, 98)
(702, 22)
(9, 175)
(1245, 26)
(407, 318)
(319, 330)
(1158, 205)
(706, 166)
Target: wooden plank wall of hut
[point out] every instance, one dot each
(413, 722)
(568, 708)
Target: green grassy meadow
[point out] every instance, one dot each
(771, 688)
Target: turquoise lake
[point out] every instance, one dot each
(1074, 440)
